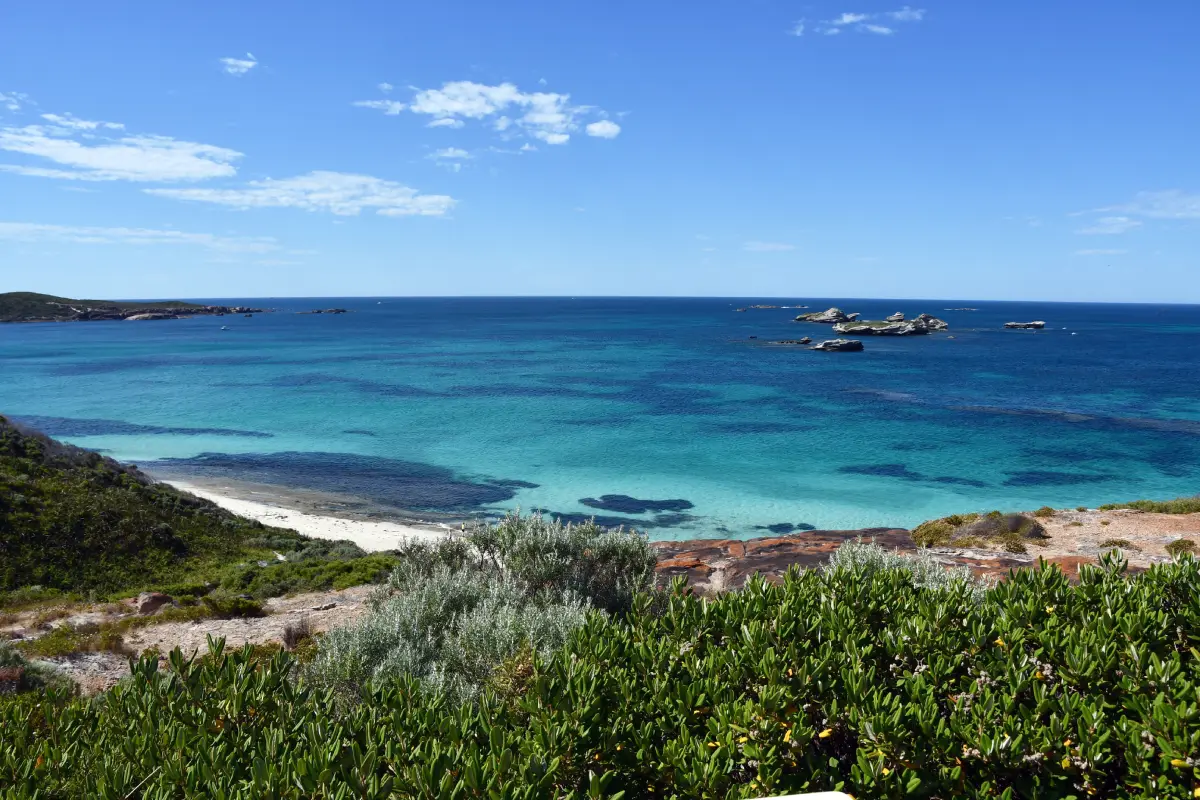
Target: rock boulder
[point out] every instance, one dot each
(829, 317)
(838, 346)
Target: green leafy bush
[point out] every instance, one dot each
(850, 678)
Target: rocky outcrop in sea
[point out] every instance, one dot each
(829, 316)
(838, 346)
(922, 324)
(1035, 325)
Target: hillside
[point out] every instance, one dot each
(33, 307)
(73, 520)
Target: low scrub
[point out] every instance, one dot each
(451, 612)
(1010, 532)
(1181, 547)
(853, 678)
(1182, 505)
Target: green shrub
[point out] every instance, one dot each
(313, 575)
(853, 679)
(935, 533)
(72, 520)
(64, 640)
(1182, 505)
(1045, 512)
(1081, 508)
(451, 612)
(1181, 547)
(1110, 543)
(28, 676)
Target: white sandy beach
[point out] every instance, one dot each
(370, 535)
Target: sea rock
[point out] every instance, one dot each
(1035, 325)
(931, 322)
(838, 346)
(897, 317)
(151, 315)
(829, 316)
(920, 325)
(806, 340)
(149, 602)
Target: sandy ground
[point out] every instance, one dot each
(370, 535)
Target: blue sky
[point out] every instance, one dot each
(1024, 150)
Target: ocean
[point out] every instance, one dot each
(664, 414)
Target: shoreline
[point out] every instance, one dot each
(280, 508)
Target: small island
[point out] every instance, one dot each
(33, 307)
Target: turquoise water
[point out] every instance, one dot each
(477, 405)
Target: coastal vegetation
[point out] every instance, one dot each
(854, 677)
(1010, 532)
(452, 611)
(1181, 505)
(74, 523)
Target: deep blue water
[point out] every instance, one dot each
(475, 405)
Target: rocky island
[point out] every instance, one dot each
(1035, 325)
(33, 307)
(829, 317)
(922, 324)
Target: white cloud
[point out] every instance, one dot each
(389, 107)
(14, 101)
(547, 116)
(339, 193)
(863, 23)
(386, 87)
(1167, 204)
(528, 148)
(1111, 225)
(71, 122)
(605, 129)
(32, 232)
(239, 66)
(1100, 252)
(451, 153)
(767, 247)
(906, 14)
(129, 158)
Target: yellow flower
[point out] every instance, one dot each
(712, 744)
(1178, 762)
(1066, 743)
(787, 737)
(1066, 762)
(999, 641)
(1039, 675)
(1196, 792)
(825, 734)
(1049, 609)
(887, 771)
(618, 748)
(743, 739)
(596, 757)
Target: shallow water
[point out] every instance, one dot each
(476, 405)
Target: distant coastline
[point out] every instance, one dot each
(33, 307)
